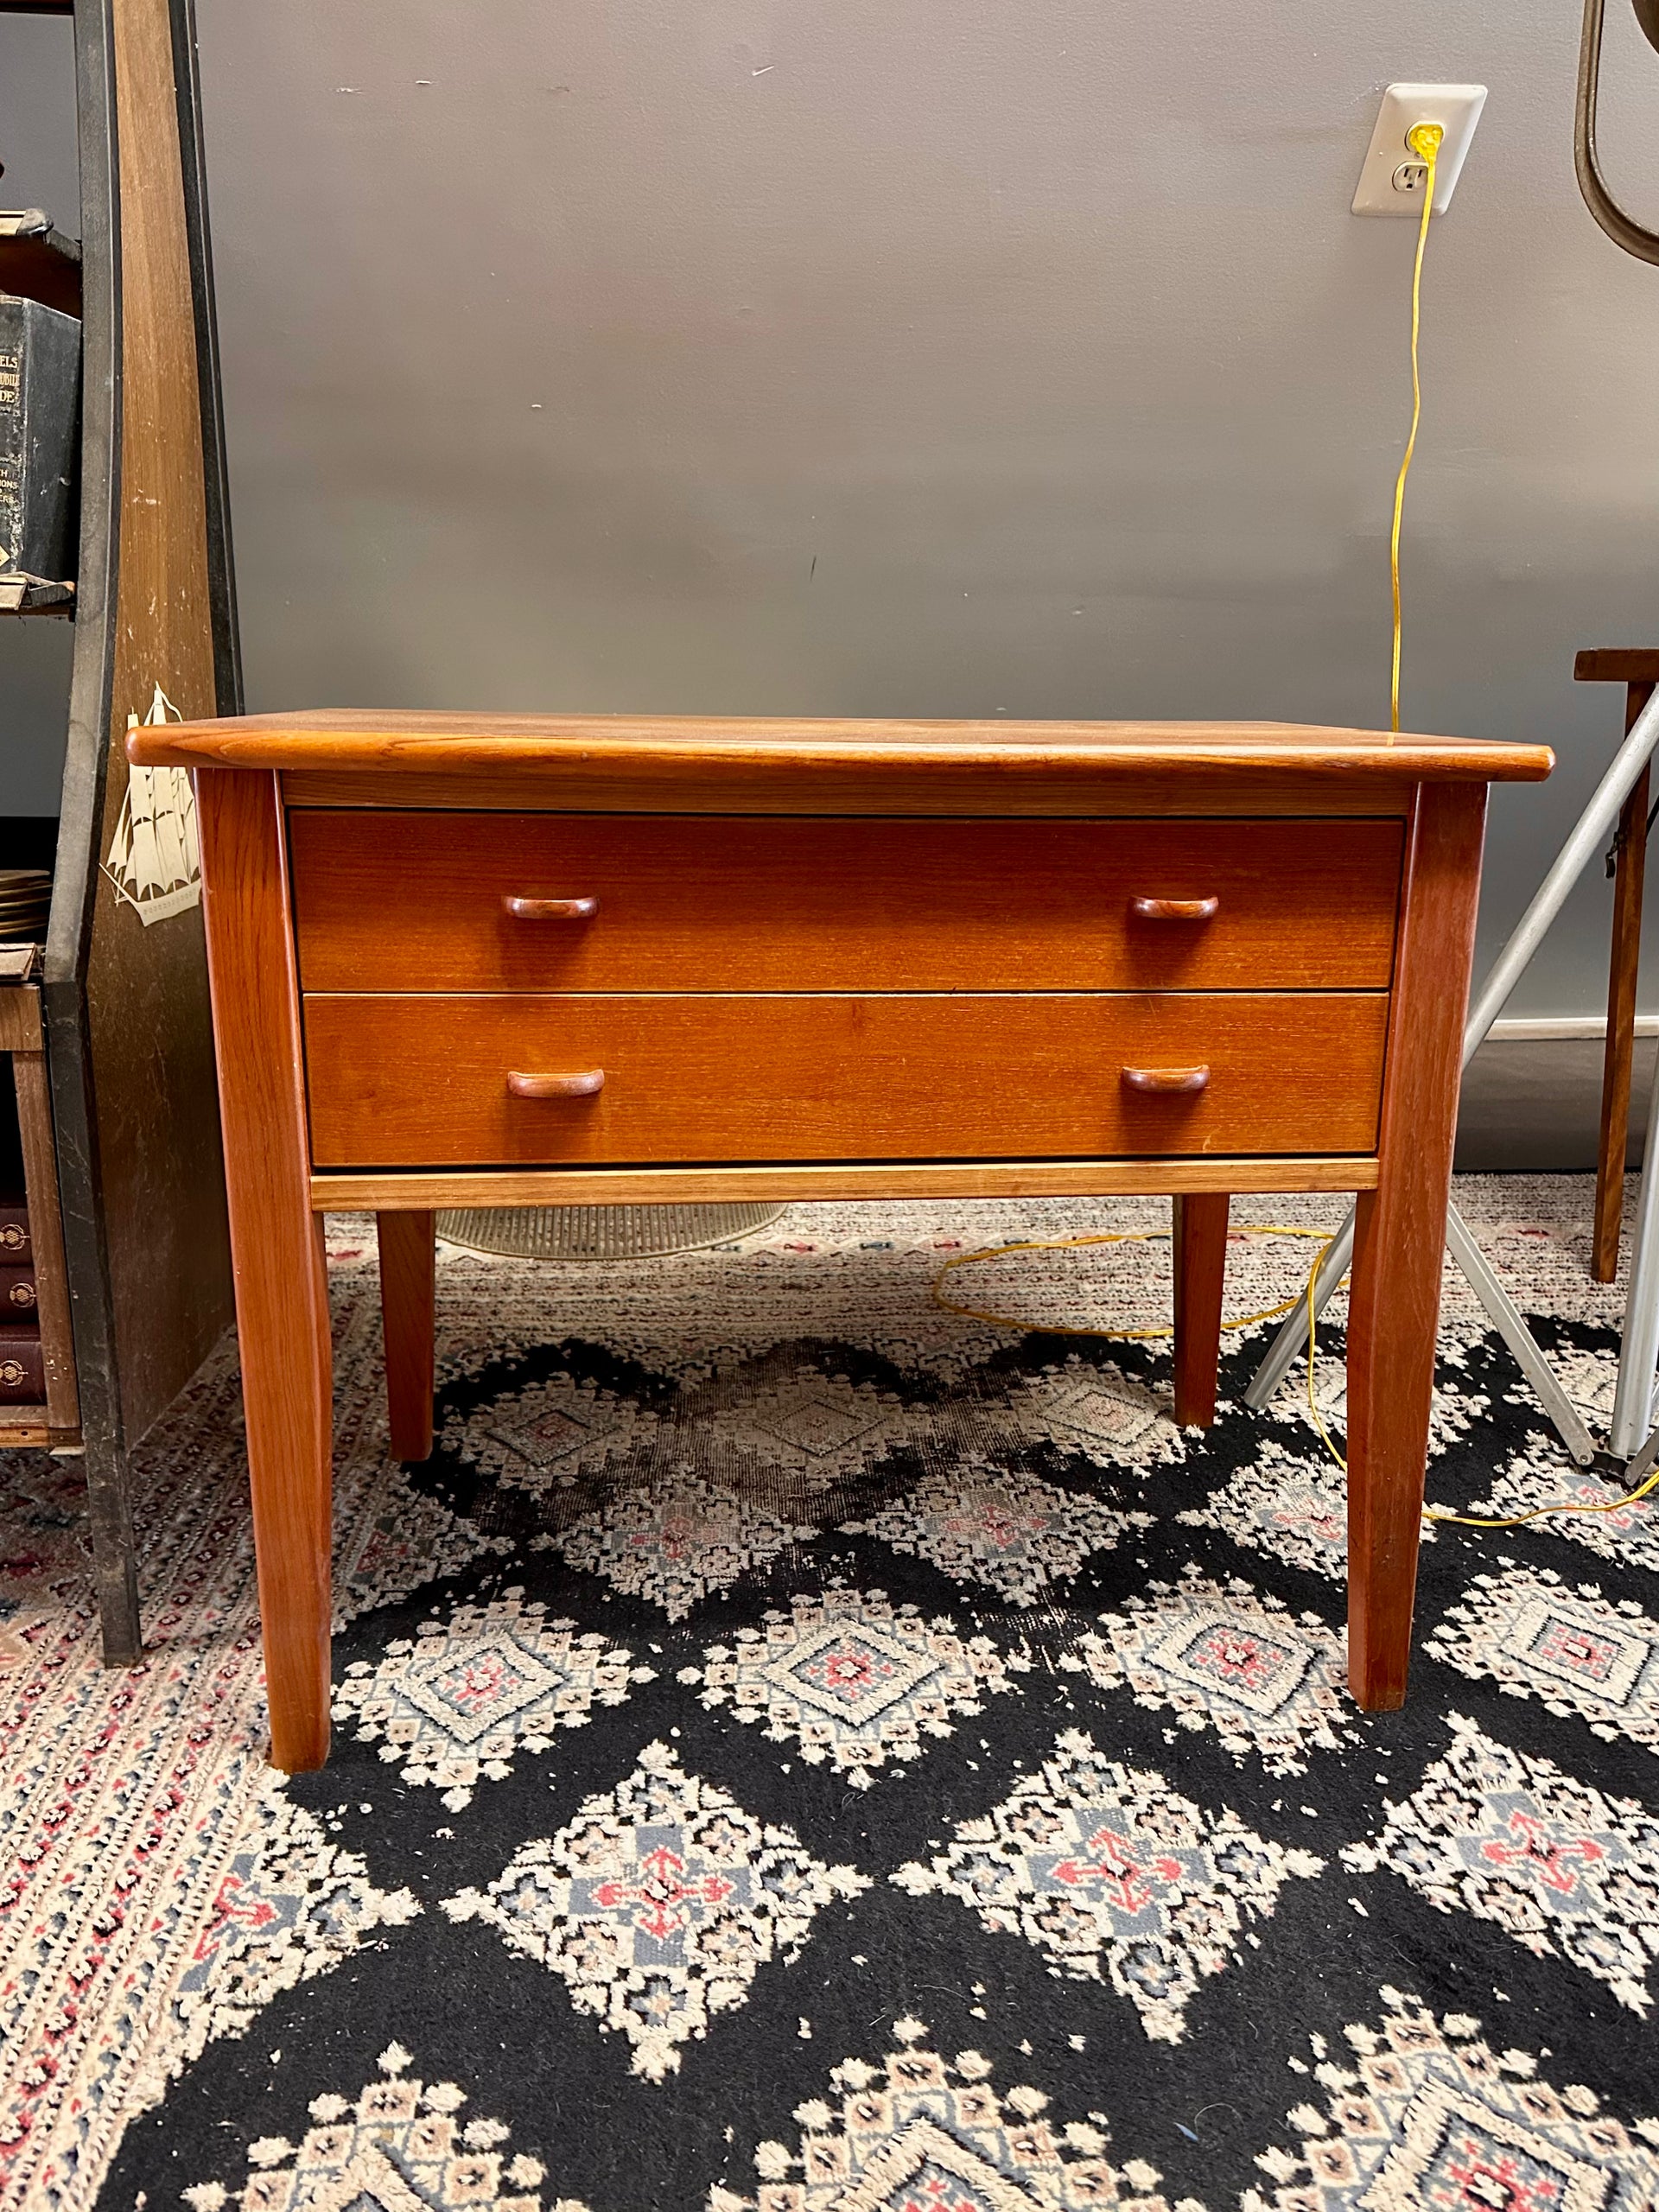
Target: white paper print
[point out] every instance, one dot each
(153, 861)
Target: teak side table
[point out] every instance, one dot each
(462, 961)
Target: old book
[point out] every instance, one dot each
(40, 403)
(19, 1299)
(16, 1242)
(23, 1367)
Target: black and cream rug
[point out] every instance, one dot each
(796, 1749)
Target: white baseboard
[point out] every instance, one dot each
(1555, 1027)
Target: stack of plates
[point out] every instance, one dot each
(25, 901)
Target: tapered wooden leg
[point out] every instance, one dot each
(1200, 1236)
(282, 1292)
(407, 1285)
(1400, 1236)
(1629, 867)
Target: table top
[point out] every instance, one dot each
(359, 741)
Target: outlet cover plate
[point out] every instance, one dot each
(1456, 108)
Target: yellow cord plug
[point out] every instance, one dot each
(1424, 140)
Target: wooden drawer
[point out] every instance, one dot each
(423, 1081)
(416, 902)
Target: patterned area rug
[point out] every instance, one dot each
(796, 1749)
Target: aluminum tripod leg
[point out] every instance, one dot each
(1594, 826)
(1638, 1355)
(1519, 1338)
(1293, 1335)
(1505, 1314)
(1641, 1466)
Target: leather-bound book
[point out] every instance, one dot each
(19, 1299)
(16, 1242)
(39, 397)
(23, 1367)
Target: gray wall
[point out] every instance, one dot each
(889, 356)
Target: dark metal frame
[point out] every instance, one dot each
(1623, 229)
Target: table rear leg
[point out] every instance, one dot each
(1630, 862)
(408, 1288)
(1200, 1240)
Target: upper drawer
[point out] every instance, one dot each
(418, 902)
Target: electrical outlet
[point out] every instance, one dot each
(1391, 177)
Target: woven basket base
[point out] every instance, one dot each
(602, 1232)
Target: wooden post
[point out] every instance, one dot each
(1400, 1238)
(1630, 860)
(281, 1291)
(1200, 1239)
(408, 1283)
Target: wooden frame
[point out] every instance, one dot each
(1638, 672)
(56, 1424)
(244, 777)
(400, 1188)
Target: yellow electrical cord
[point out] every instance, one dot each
(1108, 1236)
(1244, 1321)
(1424, 140)
(1563, 1505)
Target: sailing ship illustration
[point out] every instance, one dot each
(153, 861)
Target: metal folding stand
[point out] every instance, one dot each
(1639, 1354)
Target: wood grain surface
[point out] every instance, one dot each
(1617, 665)
(1400, 1238)
(934, 1178)
(780, 785)
(281, 1292)
(1629, 868)
(46, 1232)
(422, 1081)
(20, 1017)
(408, 1291)
(998, 751)
(157, 1175)
(419, 902)
(1199, 1228)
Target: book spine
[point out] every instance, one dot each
(13, 322)
(23, 1369)
(16, 1242)
(51, 407)
(19, 1296)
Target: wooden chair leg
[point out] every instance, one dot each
(407, 1285)
(282, 1290)
(1400, 1238)
(1629, 866)
(1200, 1241)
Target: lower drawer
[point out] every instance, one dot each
(439, 1081)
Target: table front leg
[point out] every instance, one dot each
(282, 1289)
(1200, 1240)
(1400, 1239)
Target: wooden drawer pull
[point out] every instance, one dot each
(1167, 1079)
(550, 910)
(1175, 910)
(581, 1085)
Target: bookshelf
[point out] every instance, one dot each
(28, 1164)
(115, 1092)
